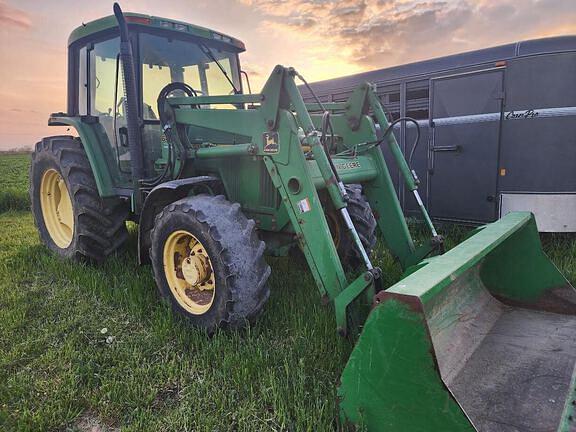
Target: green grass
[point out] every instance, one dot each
(148, 371)
(157, 373)
(14, 182)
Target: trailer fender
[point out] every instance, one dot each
(161, 196)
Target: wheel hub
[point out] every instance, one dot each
(189, 272)
(196, 270)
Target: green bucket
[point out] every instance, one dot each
(482, 338)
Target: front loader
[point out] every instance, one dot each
(478, 338)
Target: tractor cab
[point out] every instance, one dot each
(165, 51)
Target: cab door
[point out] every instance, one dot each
(99, 94)
(465, 118)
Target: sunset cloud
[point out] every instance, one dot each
(379, 33)
(321, 38)
(11, 17)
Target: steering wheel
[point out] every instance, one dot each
(165, 93)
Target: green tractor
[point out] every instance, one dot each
(479, 338)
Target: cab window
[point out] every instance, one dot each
(207, 68)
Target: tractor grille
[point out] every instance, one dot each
(269, 196)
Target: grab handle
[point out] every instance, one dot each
(452, 148)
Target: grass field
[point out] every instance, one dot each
(85, 348)
(14, 177)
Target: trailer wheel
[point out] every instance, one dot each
(209, 262)
(365, 223)
(72, 220)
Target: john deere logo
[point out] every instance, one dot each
(271, 144)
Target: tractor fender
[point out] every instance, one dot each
(160, 197)
(94, 141)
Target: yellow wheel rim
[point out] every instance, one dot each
(189, 272)
(57, 208)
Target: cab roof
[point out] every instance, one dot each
(148, 21)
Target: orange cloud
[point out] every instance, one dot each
(378, 33)
(321, 38)
(14, 18)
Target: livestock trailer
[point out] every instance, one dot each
(498, 130)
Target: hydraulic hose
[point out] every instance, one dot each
(326, 125)
(167, 125)
(416, 139)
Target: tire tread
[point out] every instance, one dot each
(100, 225)
(240, 248)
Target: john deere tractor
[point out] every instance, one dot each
(481, 337)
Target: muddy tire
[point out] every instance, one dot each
(72, 220)
(365, 223)
(209, 262)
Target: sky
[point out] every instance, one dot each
(321, 38)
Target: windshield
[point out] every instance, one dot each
(166, 60)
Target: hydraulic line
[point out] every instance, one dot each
(416, 139)
(168, 128)
(410, 157)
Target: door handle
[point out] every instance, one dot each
(452, 148)
(123, 134)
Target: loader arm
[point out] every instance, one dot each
(281, 128)
(446, 348)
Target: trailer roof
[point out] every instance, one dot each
(140, 20)
(470, 58)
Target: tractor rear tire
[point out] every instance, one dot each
(209, 262)
(72, 220)
(365, 223)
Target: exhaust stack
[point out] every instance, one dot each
(131, 98)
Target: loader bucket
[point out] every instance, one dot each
(482, 338)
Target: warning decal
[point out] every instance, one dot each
(304, 205)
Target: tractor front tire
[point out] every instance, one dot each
(72, 220)
(209, 263)
(365, 223)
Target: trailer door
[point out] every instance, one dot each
(466, 112)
